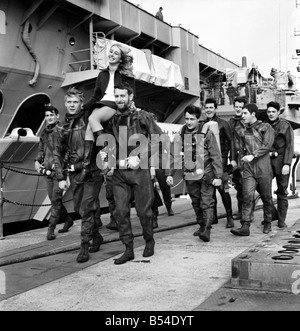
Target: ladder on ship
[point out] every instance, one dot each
(84, 59)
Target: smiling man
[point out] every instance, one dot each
(234, 123)
(256, 141)
(131, 129)
(281, 154)
(44, 164)
(202, 168)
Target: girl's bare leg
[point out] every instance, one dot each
(100, 115)
(89, 136)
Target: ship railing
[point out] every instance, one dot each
(3, 199)
(98, 45)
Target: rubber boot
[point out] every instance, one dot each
(242, 231)
(281, 225)
(208, 218)
(154, 219)
(67, 226)
(215, 220)
(97, 241)
(112, 225)
(83, 255)
(230, 223)
(170, 212)
(127, 256)
(199, 231)
(50, 232)
(274, 214)
(199, 214)
(98, 218)
(267, 228)
(149, 248)
(237, 217)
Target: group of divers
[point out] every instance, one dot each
(108, 139)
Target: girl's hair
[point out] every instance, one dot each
(125, 67)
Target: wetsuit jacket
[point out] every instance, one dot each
(226, 140)
(136, 124)
(71, 149)
(283, 144)
(235, 123)
(206, 148)
(256, 139)
(48, 141)
(102, 83)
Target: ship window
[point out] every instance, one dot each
(30, 113)
(1, 101)
(2, 22)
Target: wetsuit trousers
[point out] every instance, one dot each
(138, 182)
(257, 175)
(203, 202)
(58, 210)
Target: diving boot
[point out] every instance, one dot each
(112, 225)
(154, 219)
(98, 221)
(170, 212)
(97, 241)
(242, 231)
(83, 255)
(67, 226)
(281, 225)
(267, 228)
(237, 217)
(50, 233)
(230, 223)
(149, 248)
(127, 256)
(205, 235)
(200, 230)
(208, 218)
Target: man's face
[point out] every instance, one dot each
(273, 114)
(122, 99)
(248, 117)
(51, 117)
(73, 105)
(191, 121)
(238, 107)
(210, 110)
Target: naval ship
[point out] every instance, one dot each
(47, 46)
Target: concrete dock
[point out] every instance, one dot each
(185, 274)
